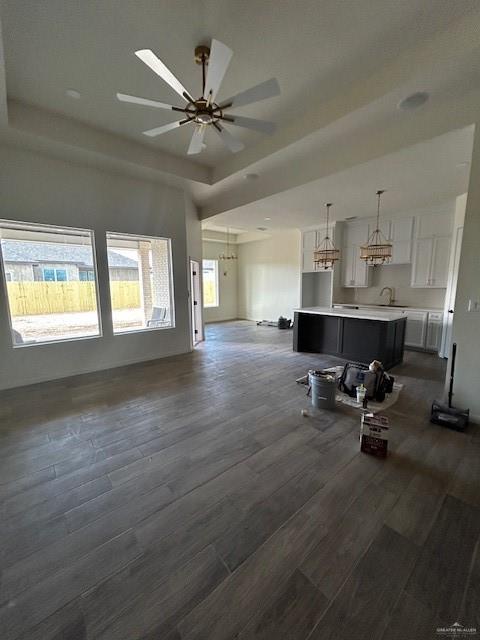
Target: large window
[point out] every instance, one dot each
(47, 298)
(210, 283)
(140, 270)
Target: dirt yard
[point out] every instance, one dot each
(58, 326)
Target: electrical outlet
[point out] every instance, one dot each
(473, 305)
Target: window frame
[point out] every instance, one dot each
(55, 274)
(138, 236)
(49, 228)
(217, 284)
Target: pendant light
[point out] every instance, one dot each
(378, 250)
(326, 254)
(229, 255)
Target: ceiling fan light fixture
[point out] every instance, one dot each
(326, 253)
(204, 111)
(378, 249)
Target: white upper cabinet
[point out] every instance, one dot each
(401, 234)
(422, 262)
(432, 251)
(440, 261)
(310, 240)
(398, 231)
(355, 272)
(433, 224)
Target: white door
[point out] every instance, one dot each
(196, 302)
(450, 297)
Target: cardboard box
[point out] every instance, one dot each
(374, 434)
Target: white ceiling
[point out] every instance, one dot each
(415, 177)
(314, 47)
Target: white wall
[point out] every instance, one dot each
(227, 284)
(269, 276)
(36, 188)
(466, 325)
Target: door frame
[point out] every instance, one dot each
(196, 307)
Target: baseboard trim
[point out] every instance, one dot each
(86, 370)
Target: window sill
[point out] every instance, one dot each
(143, 330)
(41, 343)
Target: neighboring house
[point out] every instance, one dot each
(49, 262)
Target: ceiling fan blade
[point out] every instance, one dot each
(228, 140)
(123, 97)
(262, 91)
(220, 56)
(164, 128)
(196, 143)
(150, 59)
(252, 123)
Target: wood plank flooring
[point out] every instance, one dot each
(188, 499)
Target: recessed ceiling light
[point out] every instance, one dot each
(251, 176)
(73, 93)
(414, 101)
(267, 218)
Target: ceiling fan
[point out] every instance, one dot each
(204, 111)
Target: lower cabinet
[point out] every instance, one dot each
(424, 330)
(416, 331)
(434, 331)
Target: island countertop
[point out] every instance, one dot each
(360, 314)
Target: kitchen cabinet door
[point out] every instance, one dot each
(422, 262)
(440, 262)
(401, 238)
(307, 261)
(348, 259)
(355, 272)
(309, 240)
(361, 271)
(434, 331)
(415, 334)
(431, 225)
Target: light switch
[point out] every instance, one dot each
(473, 305)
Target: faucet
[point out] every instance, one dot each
(391, 294)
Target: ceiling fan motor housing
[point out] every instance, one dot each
(202, 54)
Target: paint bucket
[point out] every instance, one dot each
(323, 387)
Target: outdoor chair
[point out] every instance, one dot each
(158, 318)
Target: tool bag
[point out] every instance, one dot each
(377, 383)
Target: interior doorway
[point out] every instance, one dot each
(196, 302)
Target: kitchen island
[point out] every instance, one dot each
(352, 334)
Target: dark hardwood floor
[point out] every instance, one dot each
(188, 499)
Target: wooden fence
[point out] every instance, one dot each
(209, 296)
(36, 298)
